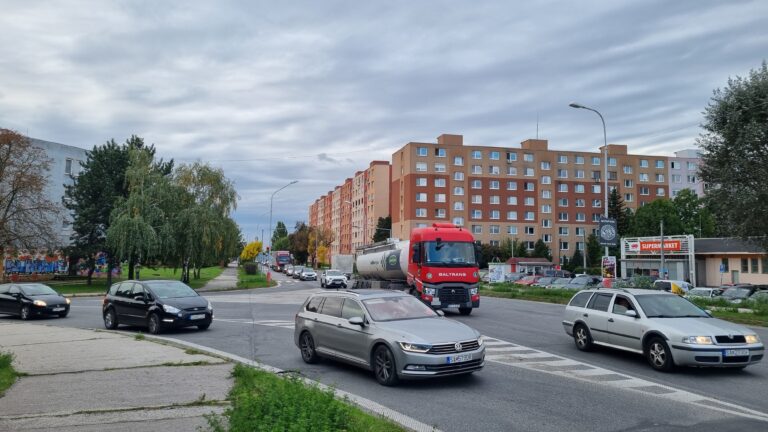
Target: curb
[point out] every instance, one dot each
(364, 403)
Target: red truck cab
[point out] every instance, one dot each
(443, 268)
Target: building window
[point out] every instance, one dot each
(421, 151)
(596, 175)
(495, 214)
(677, 178)
(643, 163)
(545, 165)
(580, 202)
(458, 190)
(691, 179)
(477, 184)
(581, 217)
(440, 213)
(628, 197)
(477, 229)
(529, 216)
(477, 154)
(529, 230)
(659, 178)
(530, 245)
(458, 161)
(596, 203)
(528, 172)
(562, 202)
(458, 176)
(68, 166)
(494, 155)
(547, 238)
(494, 229)
(562, 187)
(458, 205)
(628, 183)
(660, 191)
(529, 186)
(579, 188)
(546, 180)
(440, 152)
(764, 265)
(511, 229)
(546, 208)
(440, 198)
(691, 166)
(724, 264)
(458, 221)
(563, 245)
(511, 200)
(562, 173)
(477, 214)
(529, 201)
(421, 212)
(659, 164)
(562, 231)
(440, 167)
(495, 199)
(595, 160)
(511, 215)
(421, 167)
(579, 160)
(493, 184)
(674, 164)
(744, 265)
(579, 174)
(511, 185)
(421, 197)
(580, 231)
(477, 169)
(562, 159)
(612, 161)
(546, 223)
(493, 169)
(596, 188)
(439, 182)
(562, 217)
(477, 199)
(511, 170)
(643, 177)
(421, 181)
(627, 169)
(511, 157)
(613, 175)
(645, 190)
(528, 157)
(546, 194)
(753, 266)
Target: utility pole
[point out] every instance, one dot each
(661, 272)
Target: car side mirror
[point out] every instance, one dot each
(631, 313)
(440, 312)
(357, 321)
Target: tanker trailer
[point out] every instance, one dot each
(438, 265)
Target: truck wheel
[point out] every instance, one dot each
(465, 311)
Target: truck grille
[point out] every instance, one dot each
(456, 295)
(450, 348)
(723, 339)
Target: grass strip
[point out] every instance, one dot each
(262, 401)
(7, 374)
(258, 280)
(99, 285)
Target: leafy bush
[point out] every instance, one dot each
(7, 374)
(251, 268)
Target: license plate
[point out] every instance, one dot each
(57, 309)
(458, 358)
(197, 317)
(452, 305)
(736, 352)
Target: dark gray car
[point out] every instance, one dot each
(390, 333)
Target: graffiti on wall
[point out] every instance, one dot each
(30, 264)
(101, 267)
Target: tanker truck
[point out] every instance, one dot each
(438, 265)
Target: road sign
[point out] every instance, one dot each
(722, 268)
(608, 232)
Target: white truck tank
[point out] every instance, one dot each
(387, 262)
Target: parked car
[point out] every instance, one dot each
(297, 271)
(739, 293)
(544, 281)
(664, 327)
(288, 270)
(513, 277)
(32, 299)
(704, 293)
(678, 287)
(391, 333)
(307, 274)
(156, 305)
(529, 280)
(560, 283)
(583, 282)
(760, 295)
(333, 279)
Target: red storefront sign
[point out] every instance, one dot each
(655, 246)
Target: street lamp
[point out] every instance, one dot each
(605, 156)
(270, 208)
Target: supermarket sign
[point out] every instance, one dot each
(654, 246)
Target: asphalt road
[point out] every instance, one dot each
(553, 393)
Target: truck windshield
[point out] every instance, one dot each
(450, 254)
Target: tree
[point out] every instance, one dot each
(521, 250)
(317, 237)
(735, 160)
(648, 219)
(322, 253)
(541, 250)
(383, 229)
(576, 261)
(251, 251)
(27, 217)
(281, 244)
(299, 241)
(594, 251)
(694, 217)
(280, 232)
(618, 211)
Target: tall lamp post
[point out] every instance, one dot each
(270, 208)
(605, 156)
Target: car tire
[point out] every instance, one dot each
(25, 312)
(153, 324)
(307, 347)
(659, 356)
(110, 319)
(322, 285)
(384, 366)
(582, 338)
(203, 326)
(465, 310)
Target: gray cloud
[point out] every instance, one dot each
(314, 91)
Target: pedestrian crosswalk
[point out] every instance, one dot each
(269, 323)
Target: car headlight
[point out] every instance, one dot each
(480, 341)
(752, 338)
(417, 348)
(698, 340)
(429, 275)
(429, 291)
(40, 303)
(210, 306)
(171, 309)
(474, 274)
(67, 300)
(473, 291)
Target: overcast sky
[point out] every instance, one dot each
(314, 90)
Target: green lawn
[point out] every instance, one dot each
(100, 285)
(262, 401)
(7, 374)
(258, 280)
(561, 296)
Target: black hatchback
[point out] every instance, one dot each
(156, 305)
(32, 299)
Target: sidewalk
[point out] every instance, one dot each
(86, 380)
(227, 280)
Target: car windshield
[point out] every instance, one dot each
(669, 306)
(450, 254)
(171, 289)
(37, 289)
(333, 273)
(397, 308)
(733, 293)
(561, 281)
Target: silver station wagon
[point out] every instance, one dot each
(666, 328)
(390, 333)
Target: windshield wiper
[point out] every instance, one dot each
(661, 316)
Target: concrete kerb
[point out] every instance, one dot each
(364, 403)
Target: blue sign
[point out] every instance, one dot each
(722, 268)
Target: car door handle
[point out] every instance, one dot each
(585, 315)
(610, 319)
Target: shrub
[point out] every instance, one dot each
(7, 374)
(251, 268)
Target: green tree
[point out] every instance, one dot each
(281, 243)
(541, 250)
(694, 216)
(280, 232)
(594, 251)
(489, 253)
(383, 229)
(521, 251)
(648, 219)
(577, 260)
(735, 160)
(618, 211)
(299, 241)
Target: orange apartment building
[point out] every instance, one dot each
(525, 193)
(353, 208)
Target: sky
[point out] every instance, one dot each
(312, 91)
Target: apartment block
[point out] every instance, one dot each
(352, 209)
(526, 192)
(684, 172)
